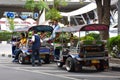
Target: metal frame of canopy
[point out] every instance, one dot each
(38, 28)
(41, 28)
(89, 27)
(79, 28)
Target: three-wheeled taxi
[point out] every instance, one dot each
(84, 53)
(46, 49)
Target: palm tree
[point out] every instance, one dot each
(58, 3)
(53, 13)
(36, 6)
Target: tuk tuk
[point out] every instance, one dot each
(46, 49)
(84, 53)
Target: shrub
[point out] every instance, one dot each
(5, 36)
(113, 45)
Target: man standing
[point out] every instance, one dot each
(56, 27)
(35, 48)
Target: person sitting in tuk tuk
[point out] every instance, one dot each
(19, 44)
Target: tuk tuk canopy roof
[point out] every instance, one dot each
(38, 28)
(22, 29)
(89, 27)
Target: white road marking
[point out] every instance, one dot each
(35, 71)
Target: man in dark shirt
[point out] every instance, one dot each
(35, 48)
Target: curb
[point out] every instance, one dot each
(6, 55)
(115, 60)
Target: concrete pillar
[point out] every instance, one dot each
(118, 16)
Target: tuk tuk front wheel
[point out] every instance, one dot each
(59, 64)
(47, 59)
(70, 67)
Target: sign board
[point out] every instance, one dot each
(10, 14)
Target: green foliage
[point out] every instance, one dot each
(88, 42)
(58, 3)
(41, 5)
(94, 35)
(5, 36)
(113, 42)
(53, 14)
(32, 5)
(91, 36)
(113, 45)
(65, 38)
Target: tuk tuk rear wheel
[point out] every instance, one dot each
(20, 58)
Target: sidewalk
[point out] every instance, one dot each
(115, 63)
(5, 49)
(115, 60)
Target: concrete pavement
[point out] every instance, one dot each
(5, 49)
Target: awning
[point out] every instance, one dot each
(80, 11)
(85, 9)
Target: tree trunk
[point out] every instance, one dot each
(99, 10)
(103, 9)
(39, 15)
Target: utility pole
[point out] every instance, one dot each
(118, 16)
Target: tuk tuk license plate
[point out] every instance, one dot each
(42, 56)
(95, 61)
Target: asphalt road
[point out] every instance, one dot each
(14, 71)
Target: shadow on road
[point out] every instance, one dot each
(84, 70)
(115, 69)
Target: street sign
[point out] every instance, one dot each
(24, 16)
(35, 15)
(10, 15)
